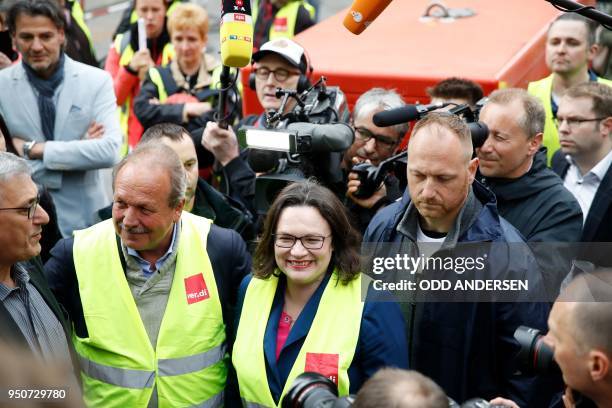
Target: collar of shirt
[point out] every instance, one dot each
(598, 172)
(21, 278)
(145, 265)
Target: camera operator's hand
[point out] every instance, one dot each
(502, 402)
(221, 142)
(353, 186)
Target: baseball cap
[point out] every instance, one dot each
(291, 51)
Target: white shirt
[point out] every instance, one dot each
(585, 187)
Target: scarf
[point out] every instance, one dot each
(46, 89)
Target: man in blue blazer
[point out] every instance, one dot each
(62, 114)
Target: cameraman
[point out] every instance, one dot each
(279, 63)
(580, 331)
(373, 144)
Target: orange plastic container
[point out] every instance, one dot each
(501, 46)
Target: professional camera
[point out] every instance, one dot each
(306, 142)
(313, 390)
(535, 356)
(371, 177)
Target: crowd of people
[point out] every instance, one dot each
(137, 264)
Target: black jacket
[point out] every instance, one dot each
(543, 211)
(598, 224)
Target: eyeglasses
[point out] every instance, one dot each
(363, 135)
(573, 121)
(280, 74)
(308, 241)
(31, 208)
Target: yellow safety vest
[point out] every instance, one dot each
(119, 366)
(126, 53)
(542, 90)
(162, 93)
(288, 11)
(76, 11)
(334, 333)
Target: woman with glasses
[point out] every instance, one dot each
(302, 308)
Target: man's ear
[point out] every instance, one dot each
(472, 167)
(178, 210)
(535, 143)
(592, 52)
(599, 365)
(605, 127)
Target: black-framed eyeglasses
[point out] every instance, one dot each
(308, 241)
(31, 208)
(364, 134)
(280, 74)
(574, 121)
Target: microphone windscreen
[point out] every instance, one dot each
(362, 13)
(236, 33)
(262, 161)
(396, 116)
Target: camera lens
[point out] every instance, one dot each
(310, 390)
(535, 356)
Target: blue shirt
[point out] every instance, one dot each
(381, 343)
(147, 268)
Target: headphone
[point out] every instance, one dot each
(304, 80)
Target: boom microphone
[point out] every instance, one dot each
(405, 114)
(362, 13)
(236, 33)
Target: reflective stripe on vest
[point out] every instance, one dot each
(162, 94)
(334, 334)
(542, 90)
(119, 364)
(76, 11)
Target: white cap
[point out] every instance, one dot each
(288, 49)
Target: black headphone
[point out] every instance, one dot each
(304, 80)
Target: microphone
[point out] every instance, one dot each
(236, 33)
(362, 13)
(405, 114)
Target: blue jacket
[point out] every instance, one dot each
(381, 343)
(468, 347)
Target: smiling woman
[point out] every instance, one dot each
(303, 309)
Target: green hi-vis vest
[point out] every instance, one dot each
(119, 366)
(134, 15)
(126, 53)
(288, 13)
(76, 11)
(329, 346)
(542, 90)
(162, 87)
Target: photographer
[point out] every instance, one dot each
(372, 144)
(580, 331)
(279, 63)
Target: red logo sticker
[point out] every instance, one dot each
(239, 3)
(280, 24)
(324, 364)
(239, 17)
(195, 288)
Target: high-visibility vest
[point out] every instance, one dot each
(162, 86)
(119, 366)
(134, 15)
(542, 90)
(76, 11)
(332, 339)
(126, 53)
(288, 13)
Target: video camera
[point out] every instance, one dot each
(371, 177)
(306, 142)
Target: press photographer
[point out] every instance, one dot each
(301, 134)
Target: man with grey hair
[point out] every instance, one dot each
(30, 317)
(372, 144)
(529, 195)
(151, 291)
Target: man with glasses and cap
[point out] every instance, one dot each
(280, 63)
(30, 317)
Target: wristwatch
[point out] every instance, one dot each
(27, 148)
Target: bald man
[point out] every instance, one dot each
(463, 343)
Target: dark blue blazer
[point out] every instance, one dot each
(382, 340)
